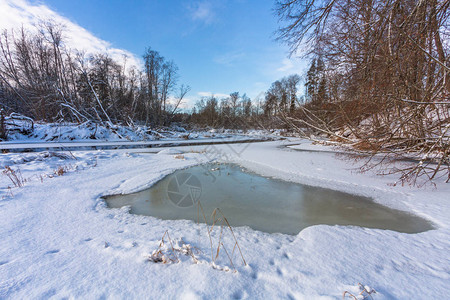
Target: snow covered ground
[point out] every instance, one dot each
(21, 129)
(59, 240)
(26, 136)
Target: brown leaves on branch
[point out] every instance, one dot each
(383, 88)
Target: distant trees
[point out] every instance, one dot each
(315, 85)
(247, 107)
(208, 111)
(281, 97)
(379, 78)
(233, 112)
(44, 79)
(161, 80)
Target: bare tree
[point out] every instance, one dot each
(384, 87)
(42, 78)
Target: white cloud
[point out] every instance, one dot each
(286, 65)
(209, 94)
(18, 13)
(183, 105)
(290, 66)
(202, 11)
(229, 58)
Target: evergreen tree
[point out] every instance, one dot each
(311, 81)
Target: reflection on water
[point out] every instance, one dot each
(265, 204)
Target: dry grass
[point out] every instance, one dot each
(223, 221)
(197, 151)
(179, 156)
(61, 170)
(218, 218)
(19, 181)
(15, 176)
(10, 193)
(162, 254)
(365, 293)
(167, 253)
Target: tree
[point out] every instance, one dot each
(42, 78)
(282, 96)
(246, 104)
(292, 83)
(311, 81)
(152, 62)
(168, 82)
(270, 104)
(234, 103)
(387, 74)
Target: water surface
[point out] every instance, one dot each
(262, 203)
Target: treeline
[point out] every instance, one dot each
(42, 78)
(234, 112)
(281, 98)
(379, 77)
(240, 112)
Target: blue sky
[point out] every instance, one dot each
(219, 46)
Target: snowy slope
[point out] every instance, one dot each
(59, 240)
(21, 129)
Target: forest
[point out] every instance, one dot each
(378, 82)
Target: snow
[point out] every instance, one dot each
(21, 129)
(308, 145)
(170, 151)
(25, 135)
(59, 240)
